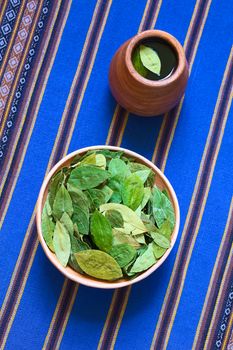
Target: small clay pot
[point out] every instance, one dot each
(142, 96)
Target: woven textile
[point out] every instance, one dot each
(54, 99)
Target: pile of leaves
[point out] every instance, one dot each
(104, 216)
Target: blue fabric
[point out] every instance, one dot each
(44, 284)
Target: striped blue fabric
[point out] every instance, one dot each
(31, 314)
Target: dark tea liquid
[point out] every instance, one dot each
(167, 57)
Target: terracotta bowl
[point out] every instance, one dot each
(142, 96)
(161, 181)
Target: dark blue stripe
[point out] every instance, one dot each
(69, 291)
(119, 121)
(151, 12)
(171, 117)
(195, 30)
(107, 340)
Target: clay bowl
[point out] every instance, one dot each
(161, 182)
(142, 96)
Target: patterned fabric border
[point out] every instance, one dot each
(16, 53)
(23, 78)
(7, 25)
(230, 344)
(225, 319)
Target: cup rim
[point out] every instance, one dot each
(172, 41)
(78, 278)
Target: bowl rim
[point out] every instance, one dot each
(99, 283)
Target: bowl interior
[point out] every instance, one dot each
(160, 181)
